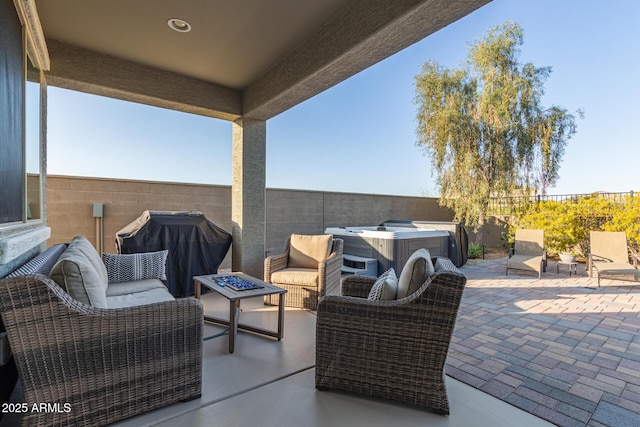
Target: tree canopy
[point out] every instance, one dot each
(485, 128)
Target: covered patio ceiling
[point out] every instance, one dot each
(244, 61)
(246, 58)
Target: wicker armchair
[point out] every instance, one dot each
(305, 294)
(107, 364)
(389, 349)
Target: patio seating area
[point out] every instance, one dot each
(525, 351)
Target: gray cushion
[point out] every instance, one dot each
(414, 273)
(130, 267)
(385, 288)
(81, 273)
(445, 264)
(124, 288)
(41, 264)
(139, 298)
(84, 246)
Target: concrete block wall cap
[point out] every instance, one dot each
(11, 247)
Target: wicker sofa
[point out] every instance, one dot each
(106, 363)
(393, 349)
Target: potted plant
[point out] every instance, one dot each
(567, 257)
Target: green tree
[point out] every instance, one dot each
(485, 128)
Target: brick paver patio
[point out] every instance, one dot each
(558, 347)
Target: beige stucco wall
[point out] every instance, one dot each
(70, 208)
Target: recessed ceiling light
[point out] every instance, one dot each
(179, 25)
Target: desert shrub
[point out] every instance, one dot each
(475, 250)
(627, 219)
(567, 224)
(508, 237)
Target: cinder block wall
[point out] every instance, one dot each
(70, 208)
(310, 212)
(70, 205)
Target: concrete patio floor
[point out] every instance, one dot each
(270, 383)
(525, 350)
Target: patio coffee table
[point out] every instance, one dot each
(573, 265)
(234, 296)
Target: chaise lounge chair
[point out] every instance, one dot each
(528, 252)
(610, 258)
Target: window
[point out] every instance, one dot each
(21, 117)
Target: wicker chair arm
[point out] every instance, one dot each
(332, 260)
(275, 263)
(329, 274)
(100, 361)
(357, 286)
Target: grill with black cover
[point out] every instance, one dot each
(196, 245)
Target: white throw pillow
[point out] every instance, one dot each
(414, 273)
(385, 288)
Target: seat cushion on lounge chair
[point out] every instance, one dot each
(139, 298)
(617, 270)
(81, 273)
(124, 288)
(414, 273)
(307, 251)
(296, 276)
(525, 262)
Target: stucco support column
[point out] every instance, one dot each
(248, 196)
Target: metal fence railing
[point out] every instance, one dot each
(508, 205)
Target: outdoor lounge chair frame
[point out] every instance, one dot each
(528, 244)
(609, 256)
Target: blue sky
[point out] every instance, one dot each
(359, 136)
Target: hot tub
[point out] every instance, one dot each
(389, 246)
